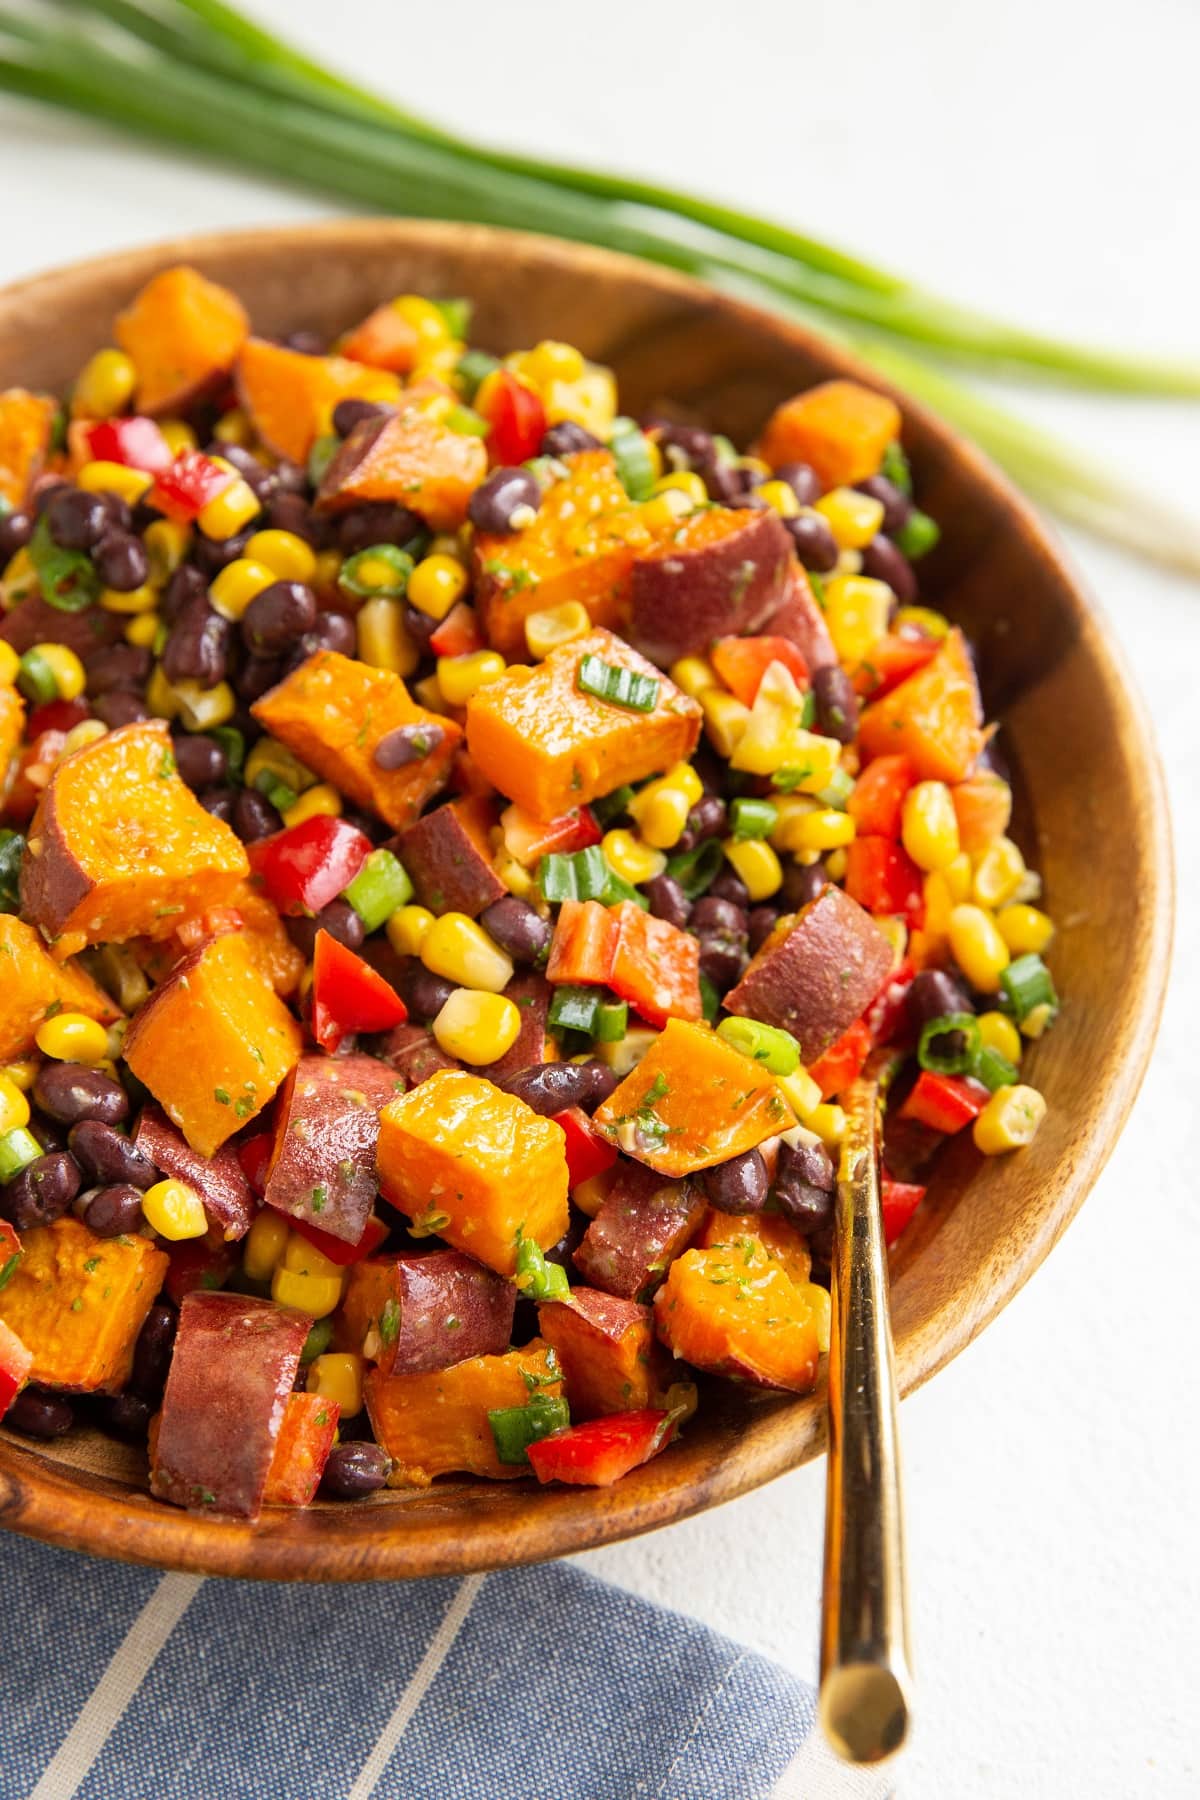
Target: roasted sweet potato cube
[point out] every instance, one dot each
(333, 712)
(449, 857)
(119, 847)
(611, 1361)
(816, 973)
(410, 459)
(310, 1423)
(580, 547)
(551, 747)
(934, 717)
(763, 1234)
(182, 334)
(32, 983)
(475, 1165)
(322, 1167)
(78, 1301)
(691, 1102)
(720, 571)
(645, 1221)
(437, 1424)
(385, 339)
(213, 1042)
(26, 428)
(414, 1313)
(839, 428)
(219, 1180)
(733, 1313)
(290, 397)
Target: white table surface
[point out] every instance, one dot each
(1038, 158)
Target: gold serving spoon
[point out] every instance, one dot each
(865, 1688)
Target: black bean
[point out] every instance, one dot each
(407, 744)
(121, 561)
(106, 1155)
(339, 919)
(153, 1351)
(815, 543)
(42, 1191)
(802, 882)
(69, 1091)
(729, 886)
(380, 522)
(896, 505)
(256, 675)
(76, 519)
(261, 481)
(355, 1469)
(121, 514)
(114, 1211)
(668, 900)
(883, 562)
(552, 1086)
(761, 924)
(118, 666)
(120, 707)
(45, 492)
(506, 501)
(991, 759)
(707, 819)
(566, 438)
(187, 585)
(200, 760)
(16, 529)
(332, 631)
(836, 703)
(425, 993)
(933, 994)
(254, 817)
(739, 1185)
(804, 1184)
(804, 482)
(40, 1414)
(715, 913)
(518, 928)
(349, 413)
(685, 446)
(279, 615)
(125, 1416)
(291, 512)
(722, 959)
(419, 626)
(211, 555)
(219, 801)
(727, 484)
(197, 646)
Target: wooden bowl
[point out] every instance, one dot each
(1093, 819)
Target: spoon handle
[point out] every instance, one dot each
(865, 1677)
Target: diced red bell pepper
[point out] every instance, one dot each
(459, 633)
(584, 943)
(528, 839)
(887, 1015)
(307, 866)
(184, 488)
(655, 967)
(515, 414)
(588, 1153)
(15, 1364)
(196, 1263)
(349, 995)
(842, 1062)
(883, 878)
(56, 715)
(306, 1436)
(600, 1452)
(899, 1200)
(336, 1249)
(741, 662)
(10, 1253)
(945, 1102)
(34, 767)
(254, 1155)
(877, 803)
(892, 660)
(137, 443)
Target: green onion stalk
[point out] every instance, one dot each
(201, 76)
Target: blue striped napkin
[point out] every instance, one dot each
(540, 1684)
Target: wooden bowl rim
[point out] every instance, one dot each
(457, 1529)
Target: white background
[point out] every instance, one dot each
(1039, 158)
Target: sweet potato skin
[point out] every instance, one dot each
(644, 1222)
(731, 1313)
(411, 459)
(322, 1166)
(934, 717)
(722, 571)
(449, 858)
(333, 711)
(800, 620)
(550, 747)
(120, 847)
(216, 998)
(531, 994)
(816, 973)
(437, 1424)
(33, 621)
(691, 1102)
(611, 1361)
(413, 1053)
(219, 1180)
(839, 428)
(310, 1423)
(26, 427)
(183, 333)
(419, 1313)
(78, 1301)
(290, 396)
(31, 981)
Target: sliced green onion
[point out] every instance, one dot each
(636, 468)
(917, 536)
(233, 744)
(776, 1050)
(18, 1148)
(514, 1428)
(895, 468)
(710, 999)
(838, 791)
(320, 457)
(753, 818)
(457, 314)
(380, 572)
(611, 806)
(281, 796)
(318, 1340)
(621, 687)
(618, 889)
(12, 849)
(67, 578)
(381, 885)
(993, 1069)
(591, 1011)
(696, 869)
(947, 1061)
(1026, 984)
(573, 874)
(466, 421)
(36, 678)
(11, 1266)
(535, 1277)
(472, 370)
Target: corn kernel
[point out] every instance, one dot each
(1025, 929)
(554, 361)
(627, 1052)
(231, 592)
(10, 664)
(725, 719)
(929, 825)
(329, 567)
(754, 465)
(20, 579)
(998, 873)
(801, 1093)
(428, 693)
(14, 1107)
(516, 877)
(856, 612)
(179, 436)
(896, 932)
(923, 619)
(685, 482)
(203, 708)
(460, 950)
(757, 864)
(166, 546)
(591, 401)
(977, 947)
(233, 427)
(589, 1196)
(694, 675)
(477, 1027)
(829, 1123)
(426, 319)
(142, 630)
(23, 1073)
(407, 929)
(88, 731)
(664, 512)
(72, 1037)
(232, 509)
(1009, 1121)
(321, 801)
(270, 757)
(959, 876)
(836, 864)
(629, 858)
(661, 809)
(556, 625)
(129, 485)
(161, 697)
(1036, 1020)
(383, 638)
(997, 1032)
(66, 668)
(436, 584)
(130, 601)
(174, 1210)
(104, 386)
(682, 775)
(853, 518)
(461, 676)
(823, 829)
(780, 496)
(338, 1377)
(775, 736)
(315, 1294)
(820, 1303)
